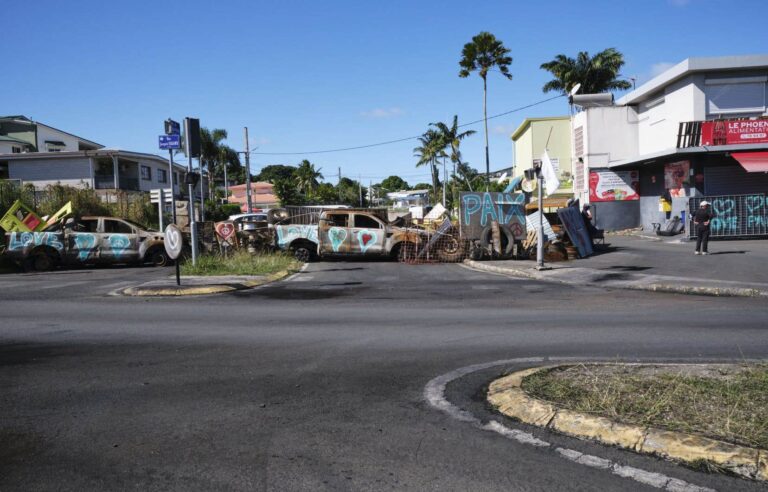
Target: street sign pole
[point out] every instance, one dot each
(191, 192)
(173, 184)
(160, 205)
(540, 231)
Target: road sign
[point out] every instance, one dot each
(172, 127)
(164, 193)
(173, 241)
(170, 141)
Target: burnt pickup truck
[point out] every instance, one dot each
(86, 240)
(348, 233)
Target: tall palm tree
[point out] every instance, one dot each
(307, 177)
(215, 155)
(428, 152)
(482, 54)
(451, 136)
(595, 74)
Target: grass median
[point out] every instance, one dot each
(241, 263)
(728, 402)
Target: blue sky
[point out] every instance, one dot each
(307, 76)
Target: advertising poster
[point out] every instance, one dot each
(675, 176)
(611, 186)
(731, 132)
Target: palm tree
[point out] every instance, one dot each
(307, 177)
(428, 152)
(452, 137)
(481, 55)
(595, 74)
(215, 156)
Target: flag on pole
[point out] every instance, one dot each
(551, 182)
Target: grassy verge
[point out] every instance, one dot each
(725, 402)
(241, 263)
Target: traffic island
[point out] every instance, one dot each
(202, 285)
(708, 416)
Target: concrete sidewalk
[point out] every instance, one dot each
(733, 268)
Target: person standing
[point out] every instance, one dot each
(701, 220)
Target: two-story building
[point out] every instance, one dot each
(38, 154)
(697, 131)
(533, 137)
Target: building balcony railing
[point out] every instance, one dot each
(689, 134)
(108, 183)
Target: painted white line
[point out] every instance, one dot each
(434, 393)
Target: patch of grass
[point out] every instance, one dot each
(241, 263)
(725, 402)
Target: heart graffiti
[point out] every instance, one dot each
(85, 243)
(225, 230)
(119, 243)
(366, 239)
(754, 203)
(337, 237)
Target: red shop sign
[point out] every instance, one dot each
(731, 132)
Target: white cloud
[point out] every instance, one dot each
(383, 112)
(661, 67)
(505, 130)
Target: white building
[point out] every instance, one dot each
(661, 136)
(34, 153)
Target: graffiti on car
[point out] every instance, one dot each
(337, 235)
(22, 240)
(287, 234)
(119, 243)
(85, 244)
(366, 238)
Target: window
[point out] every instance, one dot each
(367, 222)
(15, 150)
(53, 148)
(736, 95)
(146, 173)
(116, 226)
(4, 174)
(175, 178)
(578, 139)
(86, 225)
(338, 220)
(162, 176)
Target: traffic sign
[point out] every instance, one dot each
(170, 141)
(173, 241)
(172, 127)
(164, 194)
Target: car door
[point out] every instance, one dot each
(367, 235)
(119, 242)
(84, 241)
(335, 234)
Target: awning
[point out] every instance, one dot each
(752, 162)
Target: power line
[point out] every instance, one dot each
(389, 142)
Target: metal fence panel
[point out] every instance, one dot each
(734, 216)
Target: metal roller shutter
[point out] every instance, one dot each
(733, 180)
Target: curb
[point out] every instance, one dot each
(650, 287)
(507, 396)
(197, 290)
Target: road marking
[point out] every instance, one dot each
(434, 393)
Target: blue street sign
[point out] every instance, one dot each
(170, 141)
(172, 127)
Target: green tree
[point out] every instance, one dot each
(326, 194)
(453, 137)
(287, 192)
(215, 155)
(430, 150)
(394, 183)
(307, 177)
(275, 172)
(596, 74)
(482, 54)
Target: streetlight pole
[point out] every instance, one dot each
(540, 231)
(249, 203)
(444, 181)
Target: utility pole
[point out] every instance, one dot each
(173, 184)
(226, 183)
(540, 230)
(360, 189)
(339, 185)
(249, 203)
(202, 187)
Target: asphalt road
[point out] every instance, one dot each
(316, 383)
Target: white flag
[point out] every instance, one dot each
(551, 182)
